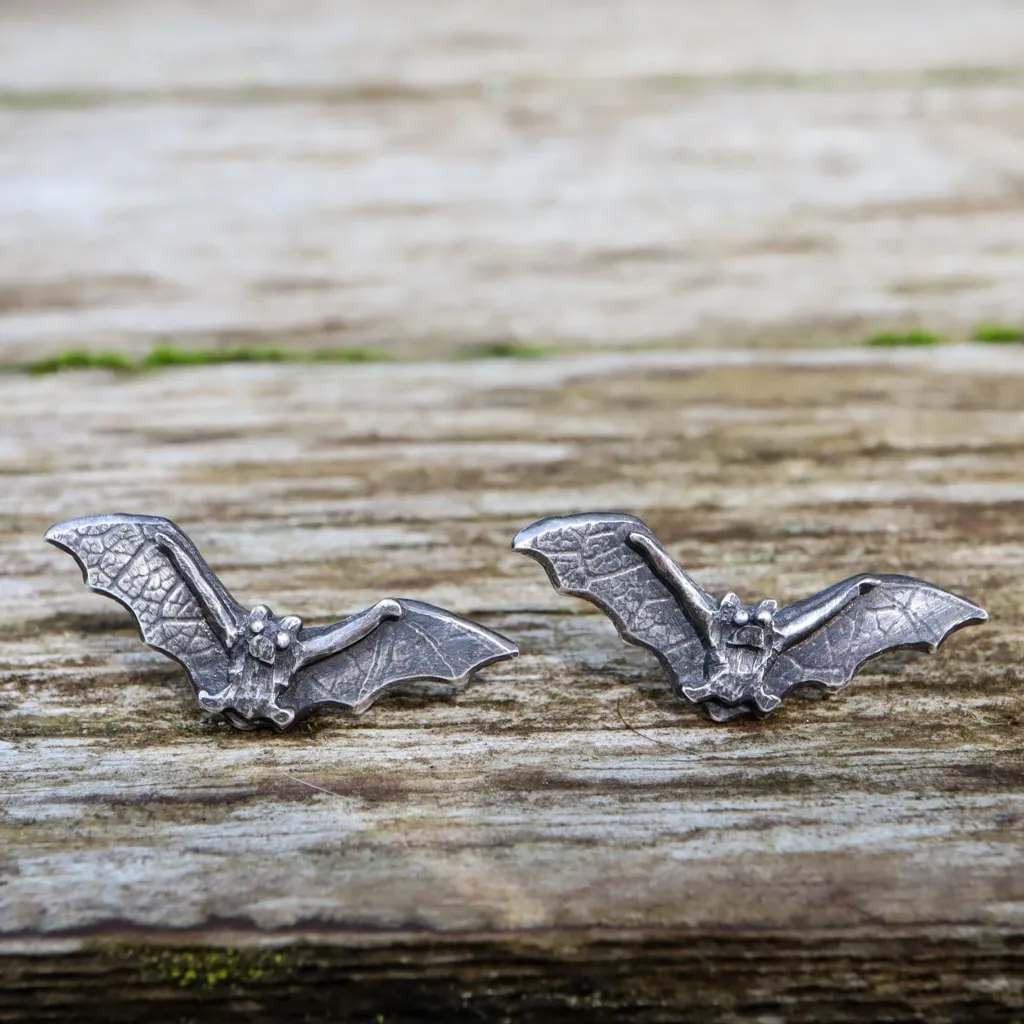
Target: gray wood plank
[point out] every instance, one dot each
(565, 799)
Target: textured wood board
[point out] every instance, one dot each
(563, 812)
(423, 176)
(560, 840)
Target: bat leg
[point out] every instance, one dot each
(281, 717)
(211, 702)
(240, 723)
(723, 713)
(696, 693)
(766, 702)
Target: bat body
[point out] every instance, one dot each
(734, 658)
(255, 668)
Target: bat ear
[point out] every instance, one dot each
(258, 618)
(731, 600)
(291, 623)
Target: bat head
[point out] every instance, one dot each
(268, 636)
(747, 625)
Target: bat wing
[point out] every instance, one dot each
(425, 643)
(902, 612)
(589, 556)
(120, 558)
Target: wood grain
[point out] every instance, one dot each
(562, 812)
(697, 207)
(423, 177)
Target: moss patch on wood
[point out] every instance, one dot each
(168, 356)
(998, 334)
(80, 359)
(915, 338)
(210, 968)
(164, 356)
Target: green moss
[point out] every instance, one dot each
(998, 334)
(79, 359)
(215, 968)
(164, 356)
(506, 350)
(169, 355)
(899, 339)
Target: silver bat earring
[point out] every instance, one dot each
(251, 666)
(733, 658)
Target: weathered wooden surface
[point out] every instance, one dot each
(561, 840)
(563, 809)
(426, 175)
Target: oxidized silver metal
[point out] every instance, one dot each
(251, 666)
(733, 658)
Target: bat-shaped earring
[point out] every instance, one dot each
(734, 658)
(254, 668)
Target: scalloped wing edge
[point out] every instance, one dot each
(525, 542)
(503, 647)
(502, 650)
(973, 615)
(53, 536)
